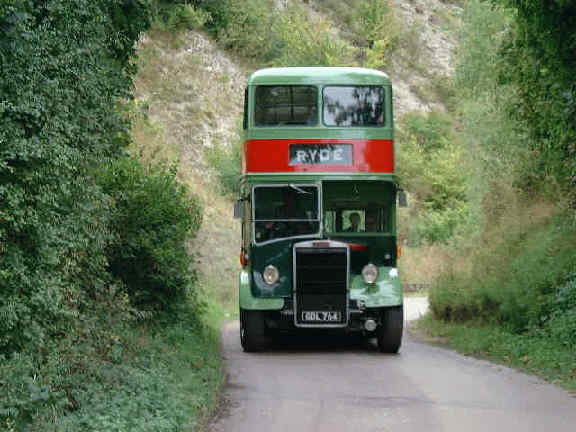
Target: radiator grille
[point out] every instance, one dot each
(321, 285)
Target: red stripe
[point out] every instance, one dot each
(274, 156)
(357, 247)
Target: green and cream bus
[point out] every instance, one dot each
(318, 206)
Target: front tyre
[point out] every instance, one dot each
(252, 330)
(389, 332)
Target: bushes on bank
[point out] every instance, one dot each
(523, 280)
(89, 238)
(152, 217)
(276, 37)
(430, 167)
(65, 65)
(515, 267)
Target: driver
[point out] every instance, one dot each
(354, 219)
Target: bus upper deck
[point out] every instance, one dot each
(318, 120)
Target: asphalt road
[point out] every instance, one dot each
(346, 385)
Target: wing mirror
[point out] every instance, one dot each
(402, 198)
(238, 210)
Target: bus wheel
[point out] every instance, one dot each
(252, 330)
(389, 332)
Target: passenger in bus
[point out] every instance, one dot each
(354, 219)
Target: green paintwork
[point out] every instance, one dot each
(249, 302)
(296, 178)
(279, 254)
(254, 293)
(318, 132)
(386, 291)
(319, 76)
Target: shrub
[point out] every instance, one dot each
(430, 168)
(219, 11)
(513, 280)
(376, 22)
(249, 28)
(64, 65)
(253, 28)
(304, 42)
(174, 15)
(153, 217)
(539, 60)
(75, 213)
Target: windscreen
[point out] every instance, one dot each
(286, 105)
(354, 106)
(362, 207)
(285, 211)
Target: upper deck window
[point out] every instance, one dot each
(286, 105)
(354, 106)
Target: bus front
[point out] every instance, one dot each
(318, 206)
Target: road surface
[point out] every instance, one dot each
(336, 386)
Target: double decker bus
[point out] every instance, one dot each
(318, 206)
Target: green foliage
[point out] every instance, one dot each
(219, 11)
(429, 165)
(58, 118)
(540, 63)
(112, 380)
(515, 268)
(437, 226)
(366, 21)
(483, 100)
(255, 29)
(561, 326)
(377, 24)
(86, 233)
(175, 15)
(153, 216)
(370, 25)
(250, 28)
(227, 162)
(513, 281)
(302, 42)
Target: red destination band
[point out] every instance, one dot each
(319, 155)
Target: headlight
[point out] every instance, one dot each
(270, 275)
(370, 273)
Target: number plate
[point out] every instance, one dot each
(321, 316)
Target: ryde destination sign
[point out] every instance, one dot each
(320, 154)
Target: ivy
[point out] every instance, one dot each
(540, 61)
(78, 217)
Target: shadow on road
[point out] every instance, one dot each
(319, 343)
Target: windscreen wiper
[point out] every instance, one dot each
(299, 190)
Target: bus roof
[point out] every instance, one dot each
(318, 75)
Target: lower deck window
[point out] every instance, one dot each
(357, 207)
(282, 211)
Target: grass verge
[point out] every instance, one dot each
(530, 352)
(162, 375)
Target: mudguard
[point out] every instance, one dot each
(386, 291)
(249, 302)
